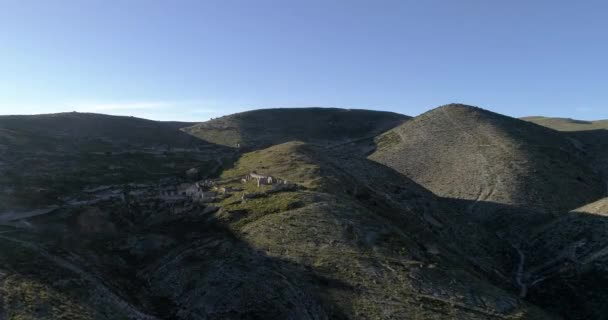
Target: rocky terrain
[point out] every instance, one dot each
(499, 166)
(459, 213)
(570, 268)
(590, 136)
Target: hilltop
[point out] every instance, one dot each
(262, 128)
(468, 153)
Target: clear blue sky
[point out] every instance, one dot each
(191, 60)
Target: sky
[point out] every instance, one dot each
(195, 60)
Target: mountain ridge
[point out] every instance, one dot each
(346, 221)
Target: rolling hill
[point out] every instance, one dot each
(458, 213)
(45, 158)
(567, 124)
(71, 130)
(262, 128)
(497, 164)
(349, 239)
(590, 136)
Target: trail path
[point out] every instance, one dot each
(487, 189)
(519, 274)
(16, 215)
(486, 192)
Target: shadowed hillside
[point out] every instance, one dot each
(262, 128)
(345, 238)
(394, 239)
(73, 130)
(568, 263)
(45, 158)
(595, 145)
(382, 246)
(469, 153)
(589, 136)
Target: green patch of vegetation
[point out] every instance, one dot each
(387, 140)
(27, 298)
(36, 288)
(259, 207)
(223, 136)
(289, 161)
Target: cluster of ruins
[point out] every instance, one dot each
(263, 179)
(167, 193)
(178, 196)
(278, 185)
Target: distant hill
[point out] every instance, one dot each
(591, 137)
(262, 128)
(567, 124)
(46, 157)
(465, 152)
(75, 129)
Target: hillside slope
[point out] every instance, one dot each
(590, 136)
(262, 128)
(393, 238)
(346, 238)
(71, 130)
(44, 158)
(468, 153)
(594, 144)
(568, 263)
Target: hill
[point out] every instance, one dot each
(44, 158)
(262, 128)
(567, 124)
(90, 130)
(567, 263)
(344, 238)
(590, 136)
(494, 162)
